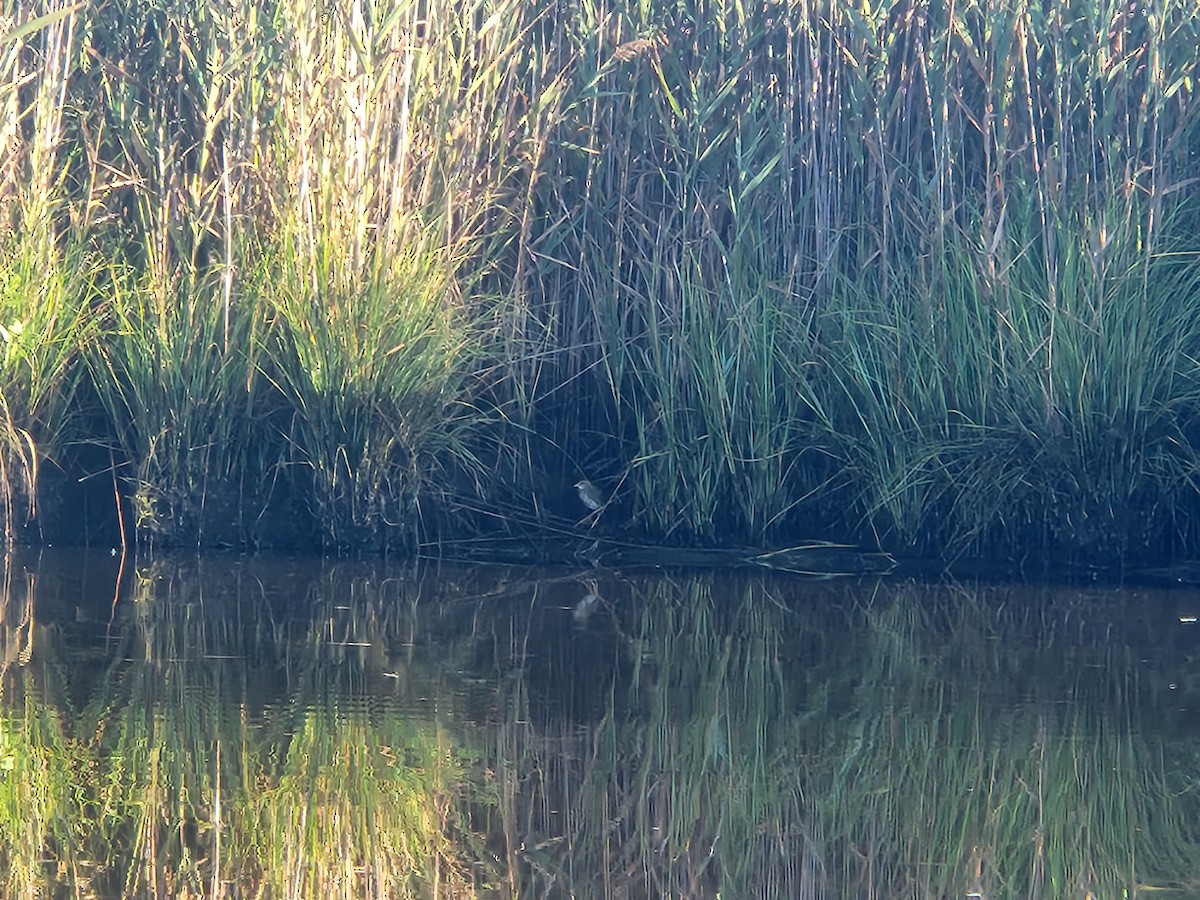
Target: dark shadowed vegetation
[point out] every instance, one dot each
(399, 274)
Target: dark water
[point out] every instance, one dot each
(229, 727)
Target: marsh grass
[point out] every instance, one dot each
(366, 275)
(914, 274)
(46, 281)
(1091, 452)
(183, 409)
(173, 367)
(377, 373)
(686, 314)
(911, 290)
(44, 300)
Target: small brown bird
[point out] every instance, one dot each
(590, 495)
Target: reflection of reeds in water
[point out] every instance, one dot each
(938, 780)
(676, 791)
(365, 799)
(751, 751)
(192, 779)
(362, 807)
(37, 805)
(382, 736)
(165, 732)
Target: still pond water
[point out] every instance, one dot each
(229, 727)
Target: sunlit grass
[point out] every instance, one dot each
(376, 372)
(47, 273)
(374, 350)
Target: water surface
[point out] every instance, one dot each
(232, 727)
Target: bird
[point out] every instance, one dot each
(585, 607)
(589, 494)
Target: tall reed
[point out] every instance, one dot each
(174, 367)
(681, 268)
(1018, 355)
(894, 258)
(389, 152)
(906, 271)
(46, 274)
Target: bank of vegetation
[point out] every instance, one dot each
(351, 274)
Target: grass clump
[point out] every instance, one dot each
(376, 373)
(173, 366)
(372, 353)
(182, 404)
(1016, 415)
(44, 322)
